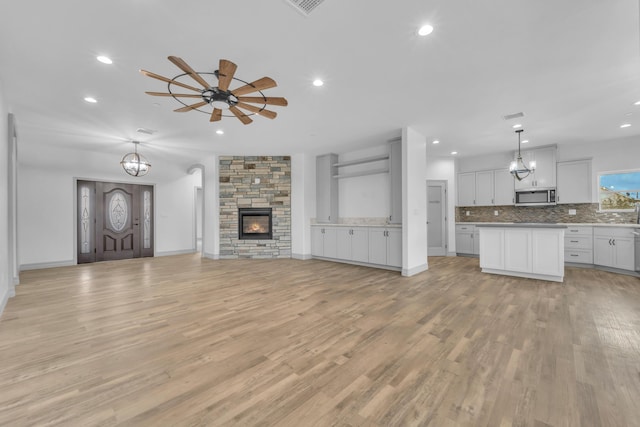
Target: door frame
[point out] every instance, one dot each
(74, 217)
(445, 218)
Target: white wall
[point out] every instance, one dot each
(5, 268)
(211, 223)
(303, 202)
(366, 196)
(47, 227)
(414, 202)
(444, 169)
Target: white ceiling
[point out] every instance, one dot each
(571, 66)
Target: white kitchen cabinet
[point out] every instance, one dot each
(352, 244)
(324, 241)
(466, 189)
(578, 244)
(503, 187)
(485, 188)
(574, 182)
(395, 181)
(385, 246)
(535, 252)
(544, 175)
(326, 188)
(614, 247)
(465, 239)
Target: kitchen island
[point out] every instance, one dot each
(533, 250)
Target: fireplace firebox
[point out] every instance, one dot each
(255, 223)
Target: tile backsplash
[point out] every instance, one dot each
(585, 213)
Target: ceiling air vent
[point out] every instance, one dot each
(513, 116)
(305, 6)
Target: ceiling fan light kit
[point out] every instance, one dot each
(518, 168)
(134, 164)
(220, 98)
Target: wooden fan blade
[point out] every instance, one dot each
(164, 79)
(187, 69)
(191, 107)
(240, 115)
(216, 115)
(268, 100)
(181, 95)
(260, 84)
(265, 113)
(225, 74)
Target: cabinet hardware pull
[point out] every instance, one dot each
(574, 255)
(614, 242)
(609, 241)
(574, 241)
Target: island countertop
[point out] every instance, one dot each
(521, 225)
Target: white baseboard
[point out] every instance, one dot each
(170, 253)
(451, 254)
(3, 301)
(415, 270)
(302, 257)
(211, 256)
(41, 265)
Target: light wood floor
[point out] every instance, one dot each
(190, 342)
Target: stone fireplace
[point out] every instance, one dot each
(254, 223)
(250, 186)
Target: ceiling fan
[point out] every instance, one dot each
(220, 98)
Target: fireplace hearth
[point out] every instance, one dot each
(255, 224)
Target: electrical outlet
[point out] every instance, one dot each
(572, 211)
(495, 213)
(468, 213)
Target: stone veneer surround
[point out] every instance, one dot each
(238, 190)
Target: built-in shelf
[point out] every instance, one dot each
(364, 160)
(362, 173)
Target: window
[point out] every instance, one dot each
(619, 191)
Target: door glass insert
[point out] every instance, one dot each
(146, 229)
(118, 209)
(85, 217)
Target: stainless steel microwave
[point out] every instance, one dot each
(536, 197)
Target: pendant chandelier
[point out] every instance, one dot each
(518, 168)
(134, 164)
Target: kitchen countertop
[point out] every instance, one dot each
(357, 225)
(520, 225)
(568, 224)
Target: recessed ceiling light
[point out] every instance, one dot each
(636, 103)
(517, 126)
(436, 142)
(425, 30)
(318, 82)
(525, 141)
(626, 125)
(104, 59)
(453, 153)
(90, 100)
(220, 132)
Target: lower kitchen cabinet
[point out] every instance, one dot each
(578, 244)
(467, 239)
(324, 242)
(377, 246)
(385, 246)
(353, 244)
(613, 247)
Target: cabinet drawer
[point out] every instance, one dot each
(468, 228)
(578, 242)
(578, 256)
(575, 230)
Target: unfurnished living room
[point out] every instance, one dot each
(319, 213)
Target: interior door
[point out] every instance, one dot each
(115, 221)
(436, 218)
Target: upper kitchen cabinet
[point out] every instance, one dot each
(544, 175)
(395, 181)
(485, 188)
(574, 182)
(326, 188)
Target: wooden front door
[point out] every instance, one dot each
(115, 221)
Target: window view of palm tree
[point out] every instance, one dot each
(619, 190)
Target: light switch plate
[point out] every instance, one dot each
(572, 211)
(495, 213)
(468, 213)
